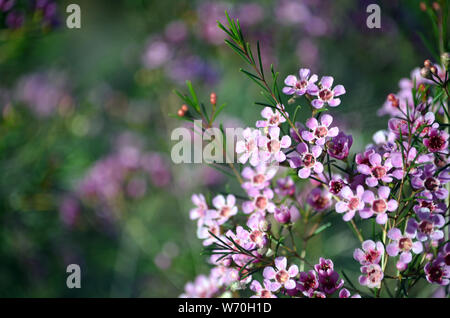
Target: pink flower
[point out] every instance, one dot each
(273, 145)
(437, 272)
(344, 293)
(249, 146)
(339, 146)
(370, 254)
(263, 292)
(281, 276)
(273, 118)
(306, 160)
(351, 202)
(261, 202)
(305, 83)
(224, 208)
(319, 133)
(376, 171)
(403, 244)
(285, 187)
(308, 283)
(259, 178)
(372, 276)
(437, 141)
(200, 207)
(204, 229)
(326, 95)
(378, 205)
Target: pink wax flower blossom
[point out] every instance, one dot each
(379, 205)
(319, 199)
(437, 141)
(258, 178)
(285, 187)
(304, 84)
(339, 146)
(370, 253)
(433, 207)
(273, 145)
(319, 132)
(344, 293)
(203, 231)
(273, 118)
(308, 283)
(200, 207)
(257, 234)
(284, 215)
(306, 160)
(372, 276)
(248, 148)
(437, 272)
(411, 157)
(403, 244)
(225, 208)
(351, 202)
(428, 226)
(261, 202)
(327, 95)
(202, 287)
(336, 184)
(376, 170)
(281, 277)
(325, 266)
(263, 292)
(399, 127)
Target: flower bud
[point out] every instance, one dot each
(264, 226)
(427, 63)
(423, 6)
(180, 112)
(445, 58)
(436, 6)
(269, 252)
(262, 250)
(425, 72)
(184, 108)
(213, 98)
(433, 70)
(282, 215)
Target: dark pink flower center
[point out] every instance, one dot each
(325, 94)
(309, 160)
(436, 142)
(259, 179)
(282, 276)
(301, 84)
(405, 244)
(426, 227)
(273, 146)
(432, 184)
(321, 132)
(261, 202)
(379, 172)
(225, 211)
(266, 294)
(372, 255)
(336, 187)
(379, 206)
(353, 203)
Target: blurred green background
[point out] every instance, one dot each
(86, 175)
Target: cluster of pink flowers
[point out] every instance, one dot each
(399, 181)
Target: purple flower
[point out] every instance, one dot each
(327, 95)
(336, 184)
(379, 205)
(319, 132)
(370, 254)
(308, 282)
(403, 244)
(344, 293)
(281, 276)
(351, 202)
(263, 292)
(339, 146)
(6, 5)
(304, 84)
(330, 282)
(433, 185)
(306, 160)
(319, 199)
(372, 276)
(437, 272)
(428, 226)
(224, 208)
(284, 215)
(285, 187)
(15, 19)
(273, 118)
(437, 141)
(200, 207)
